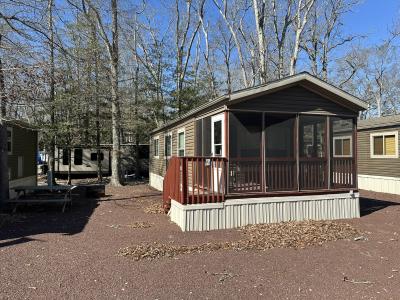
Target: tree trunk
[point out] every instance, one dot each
(4, 185)
(69, 165)
(115, 105)
(52, 147)
(259, 20)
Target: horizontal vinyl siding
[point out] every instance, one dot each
(375, 166)
(158, 165)
(24, 143)
(296, 99)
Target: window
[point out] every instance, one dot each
(93, 156)
(342, 146)
(156, 147)
(384, 145)
(65, 158)
(9, 140)
(20, 166)
(129, 138)
(217, 135)
(78, 153)
(181, 142)
(168, 145)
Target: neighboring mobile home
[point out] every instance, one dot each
(282, 151)
(84, 160)
(22, 147)
(378, 155)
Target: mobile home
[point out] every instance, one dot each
(22, 147)
(282, 151)
(84, 160)
(378, 155)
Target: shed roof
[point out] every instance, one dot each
(387, 121)
(305, 79)
(22, 124)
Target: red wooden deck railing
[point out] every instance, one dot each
(343, 172)
(313, 173)
(193, 180)
(196, 180)
(245, 175)
(280, 174)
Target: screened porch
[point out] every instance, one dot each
(290, 153)
(250, 154)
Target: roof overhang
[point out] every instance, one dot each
(308, 81)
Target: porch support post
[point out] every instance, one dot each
(184, 199)
(355, 155)
(263, 176)
(328, 149)
(226, 115)
(297, 125)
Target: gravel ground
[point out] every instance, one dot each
(46, 254)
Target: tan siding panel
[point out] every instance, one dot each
(158, 166)
(375, 166)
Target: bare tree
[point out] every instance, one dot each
(260, 18)
(111, 44)
(299, 21)
(184, 43)
(206, 51)
(226, 45)
(281, 28)
(3, 136)
(52, 84)
(230, 23)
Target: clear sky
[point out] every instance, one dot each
(372, 18)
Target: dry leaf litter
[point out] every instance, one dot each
(255, 237)
(155, 208)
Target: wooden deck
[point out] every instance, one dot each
(200, 180)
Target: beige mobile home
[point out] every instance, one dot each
(378, 155)
(282, 151)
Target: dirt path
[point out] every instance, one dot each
(46, 254)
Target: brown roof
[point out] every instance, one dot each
(336, 94)
(386, 121)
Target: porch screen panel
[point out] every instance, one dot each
(280, 157)
(199, 170)
(313, 166)
(343, 170)
(199, 138)
(245, 144)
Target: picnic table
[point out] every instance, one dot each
(43, 194)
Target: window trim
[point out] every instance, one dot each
(383, 134)
(181, 130)
(156, 138)
(12, 140)
(214, 119)
(343, 137)
(165, 145)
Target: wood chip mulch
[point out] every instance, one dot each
(139, 225)
(256, 237)
(155, 208)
